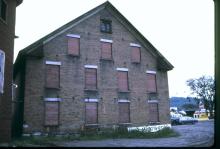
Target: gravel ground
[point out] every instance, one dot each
(200, 134)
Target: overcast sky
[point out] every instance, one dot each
(182, 30)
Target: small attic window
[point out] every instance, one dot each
(106, 26)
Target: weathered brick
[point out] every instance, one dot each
(72, 78)
(7, 34)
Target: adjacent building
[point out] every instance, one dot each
(95, 71)
(7, 35)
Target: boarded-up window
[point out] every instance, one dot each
(73, 46)
(91, 113)
(151, 83)
(90, 78)
(124, 112)
(123, 81)
(135, 54)
(153, 112)
(52, 76)
(106, 50)
(51, 113)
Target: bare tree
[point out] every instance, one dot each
(204, 89)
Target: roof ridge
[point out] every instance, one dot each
(161, 59)
(59, 28)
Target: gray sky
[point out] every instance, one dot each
(182, 30)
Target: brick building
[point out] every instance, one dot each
(95, 71)
(7, 35)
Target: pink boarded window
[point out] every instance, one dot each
(73, 46)
(124, 112)
(123, 81)
(91, 113)
(91, 78)
(153, 112)
(151, 83)
(51, 113)
(106, 50)
(52, 76)
(135, 54)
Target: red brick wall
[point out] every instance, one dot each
(72, 79)
(7, 32)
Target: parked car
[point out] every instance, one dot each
(175, 118)
(187, 120)
(178, 119)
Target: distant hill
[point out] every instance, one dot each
(180, 101)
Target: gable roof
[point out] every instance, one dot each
(36, 46)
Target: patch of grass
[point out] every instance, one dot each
(26, 141)
(123, 133)
(41, 140)
(98, 135)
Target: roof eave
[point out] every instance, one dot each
(164, 62)
(168, 66)
(19, 2)
(39, 43)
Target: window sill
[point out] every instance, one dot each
(106, 59)
(47, 125)
(72, 55)
(56, 88)
(120, 91)
(108, 32)
(133, 62)
(124, 124)
(92, 90)
(95, 124)
(153, 93)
